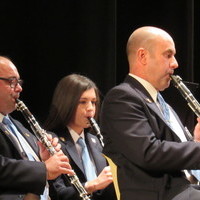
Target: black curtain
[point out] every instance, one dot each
(48, 40)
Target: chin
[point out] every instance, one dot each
(87, 126)
(164, 86)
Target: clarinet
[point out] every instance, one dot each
(192, 102)
(96, 129)
(41, 135)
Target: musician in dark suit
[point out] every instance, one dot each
(150, 150)
(75, 99)
(18, 174)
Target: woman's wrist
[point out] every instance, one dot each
(90, 187)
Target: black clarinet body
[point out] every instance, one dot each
(186, 93)
(41, 135)
(96, 129)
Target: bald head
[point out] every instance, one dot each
(144, 37)
(151, 56)
(6, 64)
(10, 87)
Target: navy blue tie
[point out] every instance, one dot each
(88, 166)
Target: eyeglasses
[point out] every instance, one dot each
(13, 81)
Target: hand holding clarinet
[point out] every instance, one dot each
(57, 161)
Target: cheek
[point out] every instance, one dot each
(79, 115)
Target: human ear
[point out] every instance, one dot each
(142, 56)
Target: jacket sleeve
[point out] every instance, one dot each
(22, 176)
(61, 189)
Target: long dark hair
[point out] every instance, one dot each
(65, 100)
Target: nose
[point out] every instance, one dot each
(91, 109)
(174, 63)
(18, 88)
(90, 106)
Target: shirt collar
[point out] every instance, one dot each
(1, 117)
(75, 135)
(150, 89)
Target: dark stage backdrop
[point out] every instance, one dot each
(48, 40)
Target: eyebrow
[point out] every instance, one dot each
(169, 51)
(88, 98)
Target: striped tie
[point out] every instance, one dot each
(164, 107)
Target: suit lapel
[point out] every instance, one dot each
(155, 108)
(150, 103)
(26, 134)
(12, 138)
(69, 147)
(93, 145)
(148, 100)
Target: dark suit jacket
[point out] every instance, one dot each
(18, 176)
(64, 190)
(149, 155)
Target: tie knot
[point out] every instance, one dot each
(6, 121)
(81, 142)
(160, 99)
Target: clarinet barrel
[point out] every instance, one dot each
(96, 129)
(186, 93)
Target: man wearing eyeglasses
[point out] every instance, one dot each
(23, 176)
(13, 81)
